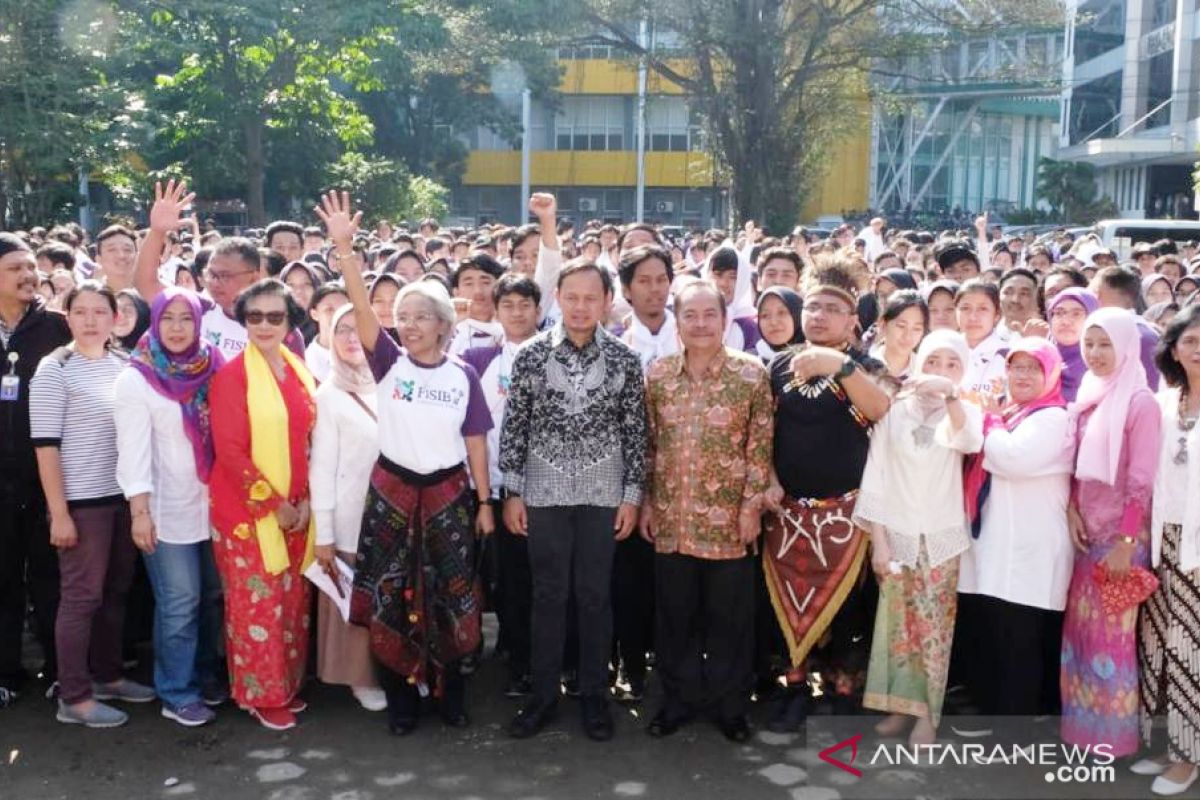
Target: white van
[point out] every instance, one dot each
(1121, 235)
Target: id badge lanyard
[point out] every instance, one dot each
(10, 383)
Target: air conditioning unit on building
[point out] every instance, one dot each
(589, 204)
(664, 207)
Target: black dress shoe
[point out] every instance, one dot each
(531, 719)
(665, 724)
(792, 712)
(402, 726)
(735, 729)
(597, 722)
(519, 686)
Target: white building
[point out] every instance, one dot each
(1130, 104)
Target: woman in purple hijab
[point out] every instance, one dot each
(164, 459)
(1067, 312)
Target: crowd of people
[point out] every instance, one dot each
(868, 468)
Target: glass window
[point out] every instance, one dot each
(1099, 27)
(1095, 107)
(1161, 67)
(590, 123)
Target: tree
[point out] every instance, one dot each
(777, 81)
(1069, 187)
(774, 80)
(59, 109)
(235, 77)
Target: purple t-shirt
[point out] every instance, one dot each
(1149, 345)
(426, 410)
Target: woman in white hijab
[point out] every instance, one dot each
(345, 448)
(911, 501)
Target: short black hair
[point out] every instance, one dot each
(240, 247)
(59, 254)
(1019, 272)
(1123, 280)
(787, 254)
(268, 287)
(638, 226)
(1172, 371)
(276, 261)
(902, 300)
(113, 231)
(578, 265)
(478, 261)
(516, 284)
(283, 226)
(723, 259)
(521, 234)
(11, 243)
(634, 258)
(326, 289)
(1075, 275)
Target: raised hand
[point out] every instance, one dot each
(166, 215)
(543, 205)
(341, 223)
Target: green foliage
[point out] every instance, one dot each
(59, 109)
(1070, 189)
(385, 189)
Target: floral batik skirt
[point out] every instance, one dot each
(914, 630)
(266, 620)
(1099, 680)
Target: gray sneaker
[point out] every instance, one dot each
(125, 690)
(190, 715)
(101, 716)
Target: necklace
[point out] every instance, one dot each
(1185, 425)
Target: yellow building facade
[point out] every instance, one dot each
(585, 152)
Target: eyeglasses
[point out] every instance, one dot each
(1068, 313)
(1025, 369)
(223, 277)
(275, 318)
(417, 319)
(344, 333)
(830, 309)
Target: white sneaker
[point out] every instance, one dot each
(1166, 788)
(1149, 766)
(370, 698)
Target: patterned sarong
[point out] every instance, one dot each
(812, 557)
(415, 584)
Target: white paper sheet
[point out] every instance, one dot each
(322, 581)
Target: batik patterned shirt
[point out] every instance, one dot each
(575, 427)
(710, 450)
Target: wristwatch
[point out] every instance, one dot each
(952, 395)
(846, 370)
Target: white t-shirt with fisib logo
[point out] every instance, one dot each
(425, 410)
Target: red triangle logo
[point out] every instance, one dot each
(852, 743)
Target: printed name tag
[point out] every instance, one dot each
(10, 388)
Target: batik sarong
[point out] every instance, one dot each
(416, 586)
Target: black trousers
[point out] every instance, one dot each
(705, 633)
(1012, 656)
(633, 605)
(28, 572)
(565, 543)
(404, 698)
(514, 600)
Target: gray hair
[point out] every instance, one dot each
(438, 298)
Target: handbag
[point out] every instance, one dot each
(1121, 592)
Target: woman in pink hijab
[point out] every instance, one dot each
(1117, 429)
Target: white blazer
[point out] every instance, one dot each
(345, 448)
(1024, 554)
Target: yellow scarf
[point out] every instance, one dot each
(271, 452)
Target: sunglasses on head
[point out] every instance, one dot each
(275, 318)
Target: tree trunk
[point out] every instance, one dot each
(256, 168)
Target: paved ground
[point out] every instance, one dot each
(339, 752)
